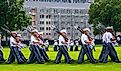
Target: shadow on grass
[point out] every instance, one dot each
(52, 62)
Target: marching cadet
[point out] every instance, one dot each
(35, 53)
(71, 44)
(14, 53)
(42, 50)
(55, 45)
(76, 45)
(62, 49)
(103, 48)
(1, 53)
(46, 45)
(20, 45)
(109, 48)
(86, 47)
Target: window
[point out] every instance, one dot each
(41, 22)
(68, 28)
(47, 22)
(41, 16)
(49, 28)
(46, 28)
(68, 11)
(41, 28)
(49, 33)
(55, 22)
(48, 16)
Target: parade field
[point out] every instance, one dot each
(51, 66)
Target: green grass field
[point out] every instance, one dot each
(51, 66)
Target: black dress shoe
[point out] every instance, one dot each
(80, 62)
(95, 62)
(42, 62)
(47, 60)
(118, 61)
(70, 62)
(8, 62)
(57, 62)
(29, 63)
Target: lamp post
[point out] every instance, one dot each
(72, 25)
(84, 21)
(59, 21)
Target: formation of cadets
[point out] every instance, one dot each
(38, 48)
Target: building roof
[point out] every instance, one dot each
(57, 5)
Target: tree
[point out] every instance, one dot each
(13, 15)
(106, 12)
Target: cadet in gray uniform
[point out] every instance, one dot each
(14, 53)
(62, 48)
(34, 48)
(109, 48)
(86, 42)
(1, 53)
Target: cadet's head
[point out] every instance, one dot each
(19, 35)
(63, 31)
(34, 32)
(86, 30)
(13, 33)
(109, 29)
(40, 34)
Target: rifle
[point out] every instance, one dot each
(57, 30)
(9, 32)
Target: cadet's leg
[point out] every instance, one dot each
(22, 56)
(113, 53)
(1, 57)
(38, 55)
(65, 53)
(66, 49)
(59, 55)
(17, 55)
(11, 57)
(76, 48)
(71, 48)
(32, 56)
(46, 48)
(44, 54)
(81, 55)
(55, 48)
(90, 55)
(103, 49)
(105, 54)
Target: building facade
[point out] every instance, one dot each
(62, 13)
